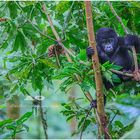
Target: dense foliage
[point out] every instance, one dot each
(26, 70)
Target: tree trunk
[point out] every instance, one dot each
(103, 131)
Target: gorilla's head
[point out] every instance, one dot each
(107, 39)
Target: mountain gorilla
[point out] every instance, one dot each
(115, 49)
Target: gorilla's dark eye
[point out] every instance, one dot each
(104, 41)
(110, 40)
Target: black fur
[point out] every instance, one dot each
(115, 49)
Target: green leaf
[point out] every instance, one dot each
(108, 76)
(25, 71)
(13, 9)
(81, 122)
(20, 42)
(29, 31)
(5, 44)
(67, 112)
(86, 124)
(14, 88)
(48, 63)
(2, 106)
(133, 133)
(115, 78)
(70, 117)
(82, 54)
(16, 44)
(25, 117)
(11, 126)
(27, 3)
(119, 124)
(67, 106)
(2, 123)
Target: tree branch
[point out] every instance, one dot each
(103, 131)
(40, 31)
(44, 121)
(67, 52)
(84, 122)
(122, 73)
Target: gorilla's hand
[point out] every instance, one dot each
(90, 52)
(136, 75)
(51, 50)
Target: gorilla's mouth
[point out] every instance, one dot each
(109, 50)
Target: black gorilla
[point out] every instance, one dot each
(115, 49)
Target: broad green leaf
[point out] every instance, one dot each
(70, 117)
(24, 118)
(119, 124)
(13, 9)
(48, 63)
(2, 123)
(20, 42)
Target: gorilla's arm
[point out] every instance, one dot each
(102, 56)
(129, 41)
(133, 40)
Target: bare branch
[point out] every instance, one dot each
(122, 73)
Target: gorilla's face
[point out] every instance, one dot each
(107, 45)
(107, 39)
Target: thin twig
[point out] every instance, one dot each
(30, 95)
(44, 121)
(116, 72)
(84, 122)
(122, 73)
(116, 15)
(113, 118)
(40, 31)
